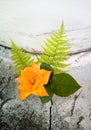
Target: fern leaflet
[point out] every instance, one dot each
(55, 51)
(20, 58)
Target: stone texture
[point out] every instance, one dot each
(76, 109)
(70, 113)
(30, 114)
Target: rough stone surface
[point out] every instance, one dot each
(71, 113)
(76, 109)
(15, 114)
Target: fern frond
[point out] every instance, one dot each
(56, 51)
(20, 58)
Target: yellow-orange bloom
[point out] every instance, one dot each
(32, 81)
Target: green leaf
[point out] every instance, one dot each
(46, 67)
(64, 84)
(48, 86)
(45, 99)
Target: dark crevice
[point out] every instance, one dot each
(74, 102)
(80, 51)
(36, 52)
(50, 120)
(73, 106)
(4, 46)
(2, 80)
(4, 102)
(79, 121)
(9, 79)
(4, 126)
(1, 60)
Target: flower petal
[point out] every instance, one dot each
(46, 74)
(35, 66)
(40, 92)
(23, 95)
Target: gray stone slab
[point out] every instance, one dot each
(79, 40)
(70, 113)
(29, 22)
(74, 110)
(30, 114)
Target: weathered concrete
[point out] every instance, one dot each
(71, 113)
(29, 22)
(30, 114)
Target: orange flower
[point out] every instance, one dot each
(32, 81)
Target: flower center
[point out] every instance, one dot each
(32, 81)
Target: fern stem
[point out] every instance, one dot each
(53, 57)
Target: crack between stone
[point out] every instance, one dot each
(6, 47)
(36, 52)
(1, 60)
(4, 102)
(74, 102)
(80, 51)
(9, 79)
(50, 118)
(79, 121)
(2, 80)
